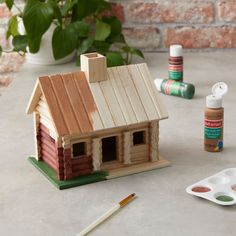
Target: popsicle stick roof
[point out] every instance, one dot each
(127, 97)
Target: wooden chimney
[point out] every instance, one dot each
(95, 67)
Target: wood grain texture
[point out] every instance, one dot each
(60, 175)
(147, 78)
(121, 97)
(82, 167)
(43, 112)
(126, 79)
(95, 67)
(50, 150)
(35, 96)
(53, 105)
(36, 135)
(75, 107)
(113, 104)
(128, 170)
(47, 123)
(102, 105)
(76, 103)
(154, 141)
(45, 115)
(82, 160)
(64, 104)
(97, 153)
(127, 148)
(88, 100)
(42, 103)
(82, 172)
(149, 107)
(50, 162)
(139, 157)
(67, 164)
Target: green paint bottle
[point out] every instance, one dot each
(175, 88)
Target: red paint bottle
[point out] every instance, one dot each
(176, 63)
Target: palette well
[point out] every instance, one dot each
(219, 188)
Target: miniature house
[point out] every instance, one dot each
(98, 119)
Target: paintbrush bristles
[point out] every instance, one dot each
(126, 200)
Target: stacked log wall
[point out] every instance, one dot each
(50, 152)
(82, 166)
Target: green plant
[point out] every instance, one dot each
(82, 25)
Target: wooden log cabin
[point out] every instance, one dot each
(98, 119)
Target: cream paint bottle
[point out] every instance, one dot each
(214, 118)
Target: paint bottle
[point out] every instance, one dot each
(175, 88)
(176, 62)
(214, 118)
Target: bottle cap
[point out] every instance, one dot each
(176, 50)
(158, 83)
(214, 101)
(220, 89)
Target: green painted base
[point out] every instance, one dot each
(64, 184)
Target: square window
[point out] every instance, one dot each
(138, 138)
(79, 149)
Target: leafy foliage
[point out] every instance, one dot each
(9, 3)
(37, 18)
(20, 43)
(12, 27)
(81, 25)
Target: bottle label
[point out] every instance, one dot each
(172, 87)
(213, 129)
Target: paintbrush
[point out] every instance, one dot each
(106, 215)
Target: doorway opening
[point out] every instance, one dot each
(109, 148)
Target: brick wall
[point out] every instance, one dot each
(197, 24)
(10, 63)
(155, 24)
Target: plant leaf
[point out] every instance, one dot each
(64, 41)
(67, 6)
(0, 50)
(114, 59)
(12, 27)
(114, 24)
(101, 46)
(85, 45)
(57, 11)
(20, 43)
(78, 61)
(84, 8)
(116, 30)
(117, 39)
(103, 30)
(137, 52)
(37, 18)
(9, 3)
(103, 6)
(81, 28)
(126, 48)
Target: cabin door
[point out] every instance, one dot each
(109, 149)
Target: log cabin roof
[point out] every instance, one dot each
(127, 97)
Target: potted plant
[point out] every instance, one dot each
(76, 26)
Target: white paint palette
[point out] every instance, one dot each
(219, 188)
